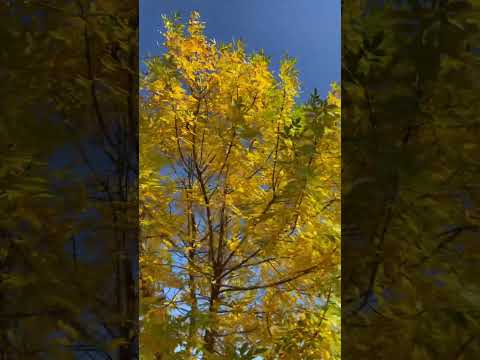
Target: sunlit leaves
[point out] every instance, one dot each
(239, 201)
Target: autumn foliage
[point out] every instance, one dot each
(410, 180)
(240, 206)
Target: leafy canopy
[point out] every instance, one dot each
(239, 206)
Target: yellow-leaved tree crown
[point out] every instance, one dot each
(240, 206)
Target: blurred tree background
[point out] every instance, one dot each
(68, 170)
(410, 145)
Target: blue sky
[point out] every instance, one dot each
(308, 30)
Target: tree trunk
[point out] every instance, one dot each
(211, 333)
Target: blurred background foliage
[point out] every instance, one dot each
(68, 170)
(410, 174)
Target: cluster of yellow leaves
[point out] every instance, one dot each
(245, 217)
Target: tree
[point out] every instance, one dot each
(68, 228)
(410, 178)
(239, 190)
